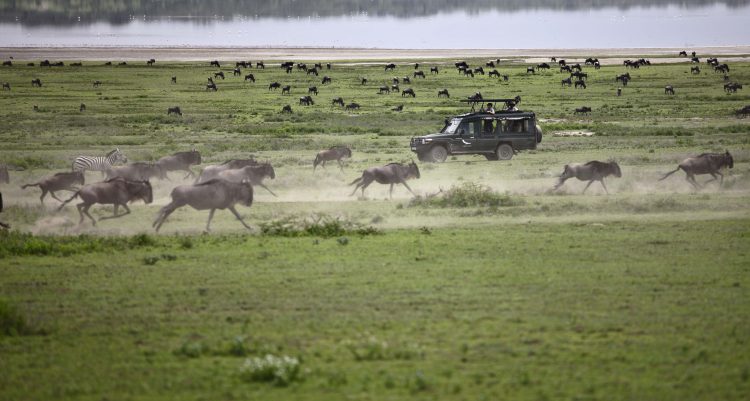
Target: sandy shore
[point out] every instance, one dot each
(334, 54)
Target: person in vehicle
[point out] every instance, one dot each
(490, 109)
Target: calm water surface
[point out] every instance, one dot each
(609, 27)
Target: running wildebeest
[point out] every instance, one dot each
(352, 106)
(117, 192)
(250, 77)
(175, 110)
(591, 171)
(137, 171)
(334, 153)
(213, 171)
(705, 163)
(583, 110)
(213, 194)
(286, 89)
(180, 161)
(59, 182)
(392, 173)
(253, 174)
(444, 93)
(306, 100)
(408, 92)
(339, 101)
(287, 109)
(668, 90)
(36, 82)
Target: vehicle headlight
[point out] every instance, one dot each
(426, 140)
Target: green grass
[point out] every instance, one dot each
(487, 285)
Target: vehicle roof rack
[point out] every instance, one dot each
(510, 103)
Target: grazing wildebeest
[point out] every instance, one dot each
(695, 70)
(29, 64)
(468, 72)
(7, 63)
(434, 70)
(306, 101)
(591, 171)
(619, 91)
(36, 82)
(479, 70)
(326, 80)
(328, 66)
(151, 61)
(542, 66)
(406, 80)
(211, 86)
(580, 84)
(398, 108)
(117, 192)
(583, 110)
(219, 75)
(82, 108)
(490, 64)
(668, 90)
(286, 90)
(287, 109)
(624, 78)
(107, 63)
(395, 88)
(236, 72)
(364, 81)
(253, 174)
(392, 173)
(260, 65)
(384, 89)
(215, 63)
(732, 87)
(312, 89)
(313, 71)
(476, 97)
(390, 66)
(494, 73)
(591, 61)
(213, 194)
(274, 85)
(565, 68)
(444, 93)
(580, 75)
(530, 70)
(180, 161)
(174, 79)
(352, 106)
(395, 80)
(289, 70)
(416, 66)
(705, 163)
(175, 110)
(59, 182)
(461, 64)
(250, 77)
(334, 153)
(6, 85)
(408, 92)
(211, 172)
(137, 171)
(418, 74)
(339, 101)
(576, 66)
(566, 81)
(743, 112)
(97, 84)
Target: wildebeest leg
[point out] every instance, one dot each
(407, 187)
(266, 188)
(605, 187)
(390, 193)
(127, 211)
(561, 182)
(83, 208)
(163, 214)
(341, 165)
(44, 193)
(237, 215)
(52, 194)
(210, 216)
(587, 186)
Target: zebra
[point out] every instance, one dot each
(99, 163)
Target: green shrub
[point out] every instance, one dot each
(279, 370)
(12, 322)
(314, 226)
(467, 194)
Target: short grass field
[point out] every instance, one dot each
(487, 285)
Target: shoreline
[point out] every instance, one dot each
(131, 53)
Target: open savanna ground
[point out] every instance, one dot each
(486, 285)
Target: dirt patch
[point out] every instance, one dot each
(573, 133)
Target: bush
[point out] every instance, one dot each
(314, 226)
(279, 370)
(12, 323)
(467, 194)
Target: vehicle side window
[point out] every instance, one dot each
(469, 129)
(518, 126)
(501, 127)
(488, 128)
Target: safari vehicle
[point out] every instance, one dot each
(497, 136)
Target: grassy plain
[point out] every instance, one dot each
(544, 295)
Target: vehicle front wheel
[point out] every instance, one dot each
(438, 154)
(504, 152)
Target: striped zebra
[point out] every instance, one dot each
(99, 163)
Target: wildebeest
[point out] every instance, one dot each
(339, 101)
(390, 66)
(250, 77)
(36, 82)
(236, 72)
(306, 101)
(565, 68)
(434, 70)
(494, 73)
(7, 63)
(253, 174)
(705, 163)
(732, 87)
(352, 106)
(175, 110)
(398, 108)
(287, 109)
(566, 81)
(396, 89)
(215, 63)
(406, 80)
(580, 84)
(211, 86)
(364, 81)
(490, 64)
(583, 110)
(543, 66)
(683, 53)
(695, 70)
(468, 72)
(326, 80)
(174, 79)
(213, 171)
(180, 161)
(219, 75)
(580, 75)
(117, 192)
(624, 78)
(287, 89)
(64, 181)
(444, 93)
(530, 70)
(274, 85)
(313, 71)
(213, 194)
(416, 66)
(334, 153)
(392, 173)
(82, 108)
(151, 61)
(137, 171)
(312, 89)
(418, 74)
(408, 92)
(743, 112)
(668, 90)
(384, 89)
(591, 171)
(260, 65)
(6, 85)
(479, 70)
(97, 84)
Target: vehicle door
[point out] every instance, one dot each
(486, 140)
(519, 131)
(466, 136)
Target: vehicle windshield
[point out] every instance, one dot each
(451, 127)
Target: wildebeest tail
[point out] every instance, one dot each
(670, 173)
(68, 200)
(356, 181)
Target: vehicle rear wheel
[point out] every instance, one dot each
(438, 154)
(504, 152)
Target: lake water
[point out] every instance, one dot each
(535, 28)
